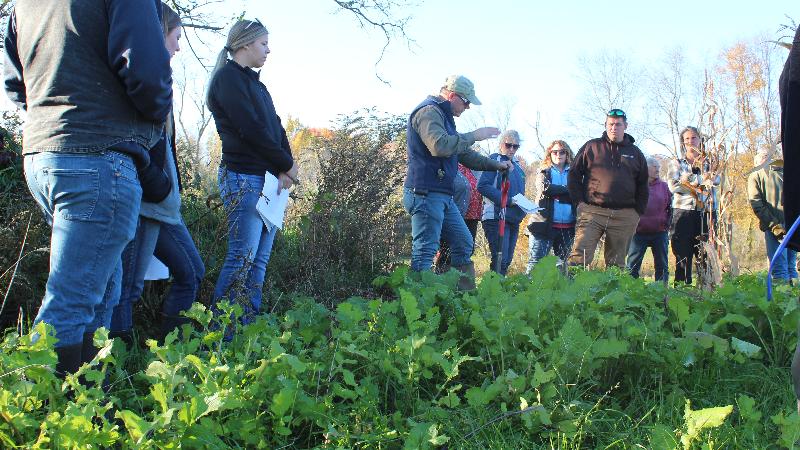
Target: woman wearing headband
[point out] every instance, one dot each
(253, 143)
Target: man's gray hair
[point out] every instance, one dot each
(653, 161)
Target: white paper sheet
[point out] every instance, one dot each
(156, 270)
(272, 206)
(528, 206)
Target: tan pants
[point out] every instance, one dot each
(618, 225)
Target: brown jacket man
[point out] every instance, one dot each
(608, 182)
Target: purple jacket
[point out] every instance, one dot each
(659, 205)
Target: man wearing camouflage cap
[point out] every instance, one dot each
(434, 150)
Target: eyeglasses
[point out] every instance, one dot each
(558, 152)
(616, 113)
(510, 145)
(466, 102)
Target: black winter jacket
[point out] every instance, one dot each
(253, 139)
(540, 223)
(610, 175)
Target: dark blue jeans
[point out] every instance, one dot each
(492, 230)
(659, 243)
(173, 246)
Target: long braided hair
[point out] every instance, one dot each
(242, 33)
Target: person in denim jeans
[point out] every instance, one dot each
(553, 226)
(94, 78)
(253, 143)
(653, 228)
(489, 186)
(434, 150)
(765, 193)
(161, 231)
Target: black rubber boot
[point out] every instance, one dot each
(69, 359)
(169, 323)
(124, 336)
(89, 350)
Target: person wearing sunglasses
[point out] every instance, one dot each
(609, 184)
(434, 150)
(489, 186)
(254, 143)
(553, 226)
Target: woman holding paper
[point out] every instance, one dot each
(254, 144)
(553, 226)
(489, 187)
(161, 231)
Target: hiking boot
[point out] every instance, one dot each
(467, 280)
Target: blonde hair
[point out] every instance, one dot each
(242, 33)
(547, 162)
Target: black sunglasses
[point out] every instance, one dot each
(616, 113)
(510, 145)
(466, 102)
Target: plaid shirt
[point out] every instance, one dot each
(682, 196)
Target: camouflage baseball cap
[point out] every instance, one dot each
(461, 85)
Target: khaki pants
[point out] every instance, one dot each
(618, 225)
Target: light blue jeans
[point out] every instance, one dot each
(249, 242)
(434, 216)
(92, 201)
(785, 268)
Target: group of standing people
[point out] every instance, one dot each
(607, 191)
(100, 160)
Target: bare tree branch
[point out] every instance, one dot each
(380, 14)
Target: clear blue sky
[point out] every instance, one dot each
(519, 53)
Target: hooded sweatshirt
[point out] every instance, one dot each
(610, 175)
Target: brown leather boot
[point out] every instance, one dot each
(467, 280)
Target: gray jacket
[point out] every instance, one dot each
(90, 73)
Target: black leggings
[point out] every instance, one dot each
(688, 226)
